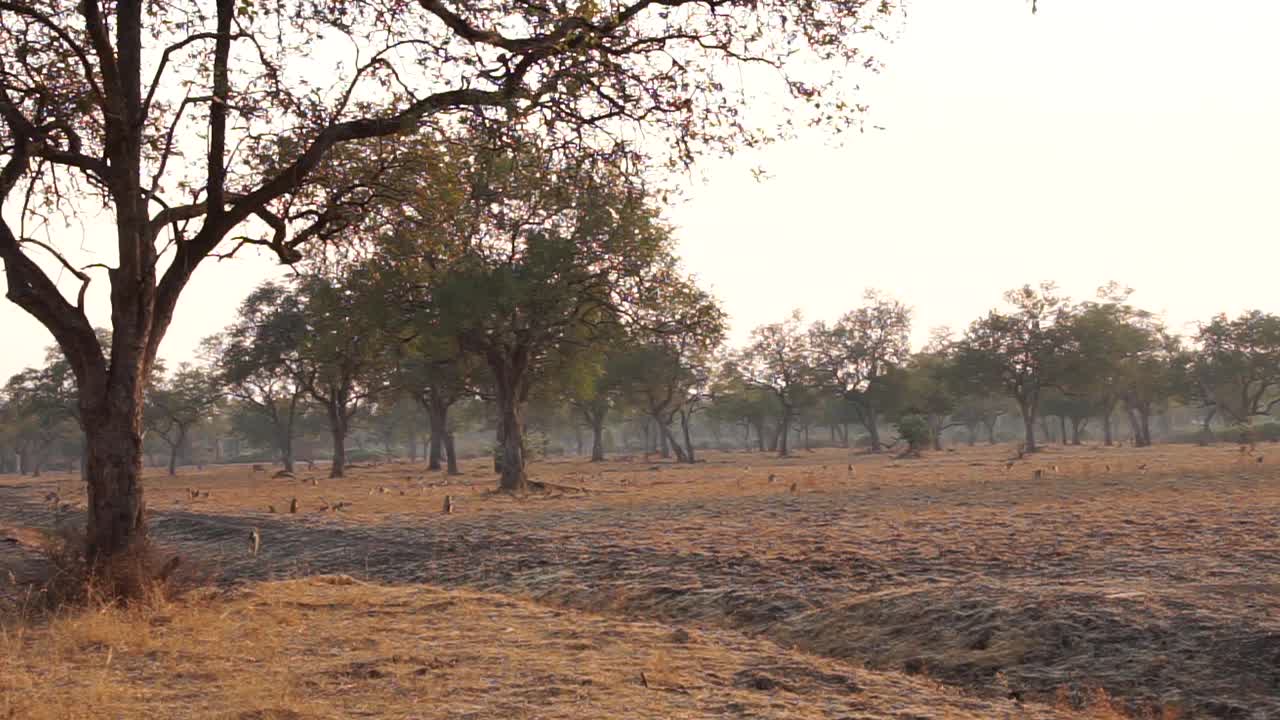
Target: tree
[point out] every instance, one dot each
(216, 126)
(345, 349)
(545, 250)
(1236, 365)
(667, 368)
(857, 353)
(437, 374)
(929, 392)
(39, 411)
(257, 360)
(1018, 352)
(176, 404)
(779, 360)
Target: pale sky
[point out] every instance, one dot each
(1135, 140)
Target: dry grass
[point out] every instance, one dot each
(332, 647)
(1152, 573)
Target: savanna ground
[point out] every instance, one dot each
(1120, 583)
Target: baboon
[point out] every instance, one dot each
(255, 541)
(772, 477)
(293, 506)
(1039, 475)
(793, 487)
(448, 504)
(271, 509)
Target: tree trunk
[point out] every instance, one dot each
(1029, 426)
(1062, 428)
(438, 415)
(1108, 438)
(451, 455)
(688, 439)
(413, 445)
(597, 438)
(116, 510)
(286, 450)
(760, 436)
(935, 429)
(1076, 425)
(173, 460)
(991, 430)
(664, 444)
(872, 423)
(338, 427)
(784, 424)
(511, 436)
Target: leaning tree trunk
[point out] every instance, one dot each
(670, 443)
(688, 439)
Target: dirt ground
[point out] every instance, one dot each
(1148, 576)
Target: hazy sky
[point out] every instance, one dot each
(1137, 141)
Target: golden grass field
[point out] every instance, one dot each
(1121, 582)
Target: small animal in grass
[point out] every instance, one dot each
(1008, 465)
(255, 541)
(794, 487)
(271, 509)
(1039, 475)
(1143, 467)
(1259, 459)
(293, 506)
(772, 477)
(448, 504)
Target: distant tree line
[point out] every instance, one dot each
(514, 346)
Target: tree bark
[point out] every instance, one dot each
(872, 423)
(116, 510)
(688, 439)
(784, 429)
(286, 450)
(338, 428)
(1108, 437)
(514, 478)
(1029, 427)
(438, 416)
(1062, 427)
(451, 455)
(597, 438)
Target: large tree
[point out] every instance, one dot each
(1019, 352)
(193, 123)
(344, 354)
(257, 358)
(857, 354)
(780, 361)
(177, 403)
(1236, 365)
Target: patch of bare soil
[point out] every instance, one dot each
(1149, 574)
